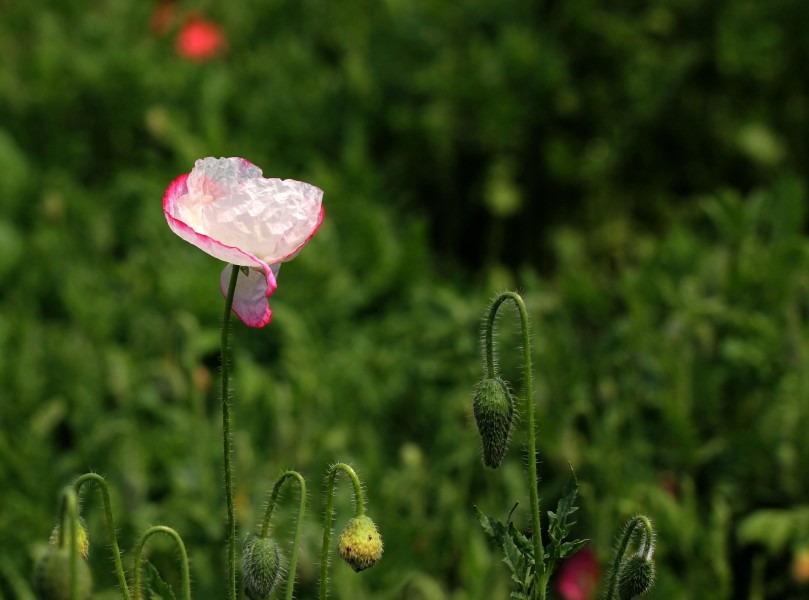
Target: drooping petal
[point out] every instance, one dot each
(250, 299)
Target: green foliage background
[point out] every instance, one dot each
(637, 170)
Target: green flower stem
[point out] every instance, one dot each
(69, 521)
(265, 527)
(226, 435)
(647, 547)
(329, 516)
(183, 558)
(540, 576)
(105, 495)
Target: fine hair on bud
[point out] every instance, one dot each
(636, 577)
(262, 567)
(52, 576)
(493, 407)
(360, 544)
(82, 538)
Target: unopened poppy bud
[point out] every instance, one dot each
(82, 538)
(52, 576)
(494, 411)
(262, 567)
(636, 577)
(360, 544)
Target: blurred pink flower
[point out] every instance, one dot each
(226, 208)
(578, 576)
(199, 39)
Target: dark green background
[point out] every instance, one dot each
(637, 169)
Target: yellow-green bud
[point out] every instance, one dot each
(636, 577)
(360, 544)
(52, 576)
(494, 412)
(82, 539)
(262, 567)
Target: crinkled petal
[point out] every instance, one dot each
(250, 299)
(270, 218)
(215, 176)
(215, 248)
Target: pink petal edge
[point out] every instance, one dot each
(294, 253)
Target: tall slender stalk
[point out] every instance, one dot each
(105, 495)
(359, 508)
(183, 558)
(646, 549)
(265, 526)
(69, 521)
(540, 577)
(226, 435)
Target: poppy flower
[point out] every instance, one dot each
(225, 207)
(578, 576)
(199, 39)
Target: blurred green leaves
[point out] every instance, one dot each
(644, 165)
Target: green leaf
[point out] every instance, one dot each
(570, 548)
(523, 543)
(491, 526)
(517, 551)
(156, 588)
(559, 525)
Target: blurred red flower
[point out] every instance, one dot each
(578, 576)
(200, 39)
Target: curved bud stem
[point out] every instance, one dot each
(69, 521)
(643, 523)
(265, 526)
(528, 370)
(105, 495)
(183, 558)
(226, 435)
(329, 516)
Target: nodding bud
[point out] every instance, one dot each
(82, 539)
(52, 576)
(262, 567)
(636, 577)
(494, 410)
(360, 544)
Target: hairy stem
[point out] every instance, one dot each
(226, 435)
(265, 526)
(329, 517)
(620, 550)
(183, 558)
(105, 495)
(69, 521)
(540, 577)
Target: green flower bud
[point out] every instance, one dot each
(82, 539)
(494, 411)
(262, 567)
(636, 577)
(360, 544)
(52, 576)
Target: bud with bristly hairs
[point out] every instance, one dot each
(360, 544)
(262, 567)
(493, 407)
